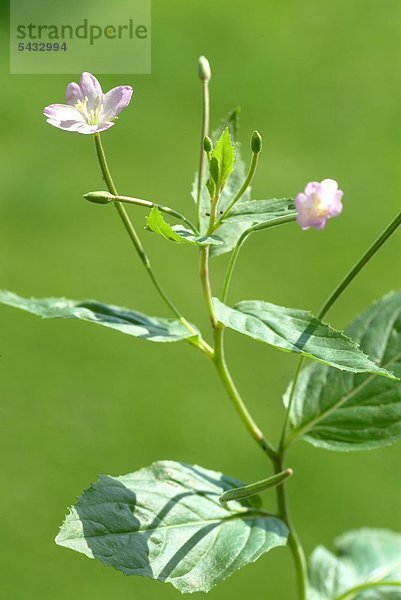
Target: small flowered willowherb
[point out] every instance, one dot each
(88, 110)
(318, 203)
(191, 526)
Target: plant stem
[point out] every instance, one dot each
(205, 280)
(256, 433)
(147, 204)
(239, 405)
(370, 252)
(234, 256)
(334, 296)
(196, 340)
(242, 190)
(293, 540)
(350, 594)
(204, 133)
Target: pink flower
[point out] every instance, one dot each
(88, 110)
(318, 203)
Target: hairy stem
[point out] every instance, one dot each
(196, 340)
(293, 540)
(334, 296)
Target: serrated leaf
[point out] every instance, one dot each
(294, 330)
(125, 320)
(177, 233)
(341, 411)
(166, 522)
(228, 232)
(222, 160)
(261, 211)
(366, 557)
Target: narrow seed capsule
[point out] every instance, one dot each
(204, 68)
(99, 197)
(256, 142)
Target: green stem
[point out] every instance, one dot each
(205, 280)
(239, 405)
(350, 594)
(234, 256)
(334, 296)
(293, 540)
(147, 204)
(241, 191)
(196, 340)
(204, 133)
(251, 426)
(370, 252)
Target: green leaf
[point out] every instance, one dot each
(125, 320)
(341, 411)
(363, 562)
(166, 522)
(294, 330)
(222, 160)
(229, 232)
(261, 211)
(177, 233)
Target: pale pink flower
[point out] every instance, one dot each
(88, 110)
(318, 203)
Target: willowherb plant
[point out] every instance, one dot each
(190, 526)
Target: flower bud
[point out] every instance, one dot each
(204, 68)
(207, 144)
(256, 142)
(99, 197)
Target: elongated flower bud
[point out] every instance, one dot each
(99, 197)
(207, 144)
(256, 142)
(204, 68)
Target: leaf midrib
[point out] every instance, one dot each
(310, 424)
(241, 516)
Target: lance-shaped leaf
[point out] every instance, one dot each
(342, 411)
(261, 211)
(221, 161)
(166, 522)
(130, 322)
(366, 565)
(177, 233)
(229, 232)
(294, 330)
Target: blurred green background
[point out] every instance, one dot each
(322, 82)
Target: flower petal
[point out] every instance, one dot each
(336, 204)
(328, 188)
(66, 125)
(91, 129)
(63, 116)
(302, 201)
(62, 112)
(73, 93)
(114, 101)
(312, 187)
(91, 89)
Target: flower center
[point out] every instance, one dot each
(318, 207)
(91, 115)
